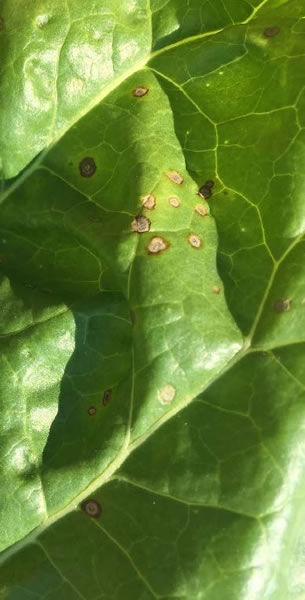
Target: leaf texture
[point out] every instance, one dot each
(152, 388)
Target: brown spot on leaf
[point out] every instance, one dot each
(156, 245)
(140, 224)
(92, 508)
(194, 240)
(175, 177)
(201, 210)
(216, 289)
(87, 166)
(140, 91)
(107, 397)
(174, 201)
(281, 305)
(133, 318)
(205, 191)
(167, 394)
(149, 201)
(91, 410)
(271, 32)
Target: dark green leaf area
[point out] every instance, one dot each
(201, 507)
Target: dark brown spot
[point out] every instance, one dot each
(91, 410)
(210, 183)
(281, 305)
(140, 91)
(133, 318)
(175, 177)
(205, 191)
(92, 508)
(107, 397)
(216, 289)
(87, 166)
(149, 201)
(194, 240)
(271, 32)
(140, 224)
(156, 245)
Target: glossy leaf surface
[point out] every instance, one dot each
(136, 375)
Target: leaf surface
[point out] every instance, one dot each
(136, 375)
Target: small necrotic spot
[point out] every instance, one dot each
(133, 318)
(87, 166)
(91, 410)
(194, 240)
(281, 305)
(175, 177)
(140, 224)
(271, 32)
(156, 245)
(149, 201)
(140, 91)
(174, 201)
(205, 191)
(107, 397)
(201, 210)
(92, 508)
(216, 289)
(42, 20)
(167, 394)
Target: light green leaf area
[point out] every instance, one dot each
(158, 375)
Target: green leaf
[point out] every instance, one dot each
(152, 437)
